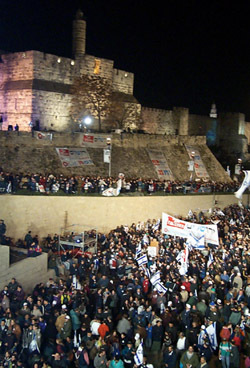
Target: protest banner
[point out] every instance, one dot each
(73, 157)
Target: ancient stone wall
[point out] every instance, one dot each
(16, 74)
(52, 110)
(36, 86)
(157, 121)
(123, 81)
(129, 155)
(198, 124)
(247, 132)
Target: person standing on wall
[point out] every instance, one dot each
(16, 128)
(1, 122)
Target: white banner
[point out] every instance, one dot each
(43, 136)
(106, 155)
(199, 167)
(94, 140)
(73, 157)
(161, 166)
(197, 234)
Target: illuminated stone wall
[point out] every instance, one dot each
(45, 215)
(36, 86)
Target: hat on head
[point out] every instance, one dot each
(188, 306)
(203, 327)
(219, 301)
(64, 306)
(183, 287)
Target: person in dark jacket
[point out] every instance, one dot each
(234, 356)
(157, 336)
(170, 358)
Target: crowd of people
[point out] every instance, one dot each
(100, 307)
(51, 183)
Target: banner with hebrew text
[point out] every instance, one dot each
(161, 166)
(73, 157)
(197, 234)
(94, 140)
(199, 167)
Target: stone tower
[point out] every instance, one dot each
(79, 35)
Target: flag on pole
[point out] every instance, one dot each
(156, 226)
(146, 271)
(145, 239)
(244, 185)
(160, 288)
(138, 250)
(155, 278)
(138, 358)
(210, 259)
(142, 260)
(211, 332)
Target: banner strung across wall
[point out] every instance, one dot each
(94, 140)
(199, 167)
(197, 234)
(73, 157)
(161, 166)
(43, 136)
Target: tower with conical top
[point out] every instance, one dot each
(79, 35)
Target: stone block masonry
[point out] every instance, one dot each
(129, 155)
(28, 272)
(37, 86)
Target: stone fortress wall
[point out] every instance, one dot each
(36, 86)
(22, 153)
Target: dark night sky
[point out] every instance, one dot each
(187, 53)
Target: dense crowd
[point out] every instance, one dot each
(51, 183)
(100, 307)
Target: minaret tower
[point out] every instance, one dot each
(79, 35)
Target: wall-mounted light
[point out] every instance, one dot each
(59, 60)
(72, 62)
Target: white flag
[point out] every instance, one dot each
(156, 226)
(160, 288)
(138, 358)
(244, 185)
(211, 332)
(145, 239)
(184, 261)
(210, 260)
(142, 260)
(146, 271)
(155, 278)
(138, 250)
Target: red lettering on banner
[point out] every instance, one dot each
(175, 223)
(88, 138)
(64, 152)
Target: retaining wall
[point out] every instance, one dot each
(28, 272)
(48, 215)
